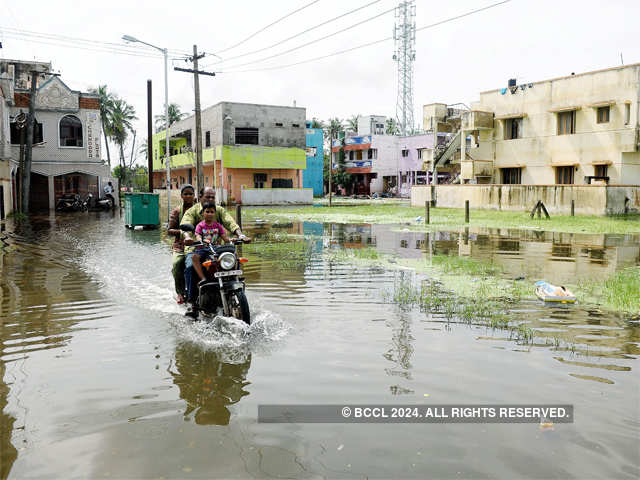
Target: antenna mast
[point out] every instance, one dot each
(404, 36)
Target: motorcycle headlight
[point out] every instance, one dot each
(227, 260)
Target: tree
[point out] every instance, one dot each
(121, 117)
(106, 108)
(175, 115)
(315, 123)
(352, 123)
(391, 127)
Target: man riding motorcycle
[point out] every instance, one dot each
(194, 216)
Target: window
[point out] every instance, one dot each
(603, 114)
(512, 176)
(601, 170)
(279, 124)
(359, 155)
(207, 139)
(246, 136)
(567, 123)
(351, 155)
(295, 125)
(512, 128)
(372, 153)
(627, 113)
(405, 153)
(70, 131)
(419, 154)
(281, 183)
(564, 175)
(259, 180)
(15, 133)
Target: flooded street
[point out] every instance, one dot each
(103, 377)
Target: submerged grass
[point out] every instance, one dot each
(286, 252)
(431, 296)
(388, 213)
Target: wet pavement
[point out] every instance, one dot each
(102, 376)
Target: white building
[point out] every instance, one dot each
(67, 135)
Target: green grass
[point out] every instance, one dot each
(387, 213)
(620, 292)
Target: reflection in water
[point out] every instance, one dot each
(208, 384)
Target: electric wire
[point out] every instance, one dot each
(296, 35)
(268, 26)
(316, 40)
(100, 43)
(92, 49)
(368, 44)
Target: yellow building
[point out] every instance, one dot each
(578, 129)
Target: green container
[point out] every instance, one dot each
(141, 209)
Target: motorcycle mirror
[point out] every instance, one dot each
(187, 227)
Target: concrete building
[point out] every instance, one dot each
(371, 124)
(575, 129)
(567, 133)
(245, 147)
(67, 135)
(312, 177)
(383, 163)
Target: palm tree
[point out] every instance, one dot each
(106, 106)
(122, 115)
(315, 123)
(175, 115)
(352, 123)
(391, 127)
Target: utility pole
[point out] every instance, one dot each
(149, 137)
(26, 171)
(330, 162)
(196, 88)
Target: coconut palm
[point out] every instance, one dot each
(122, 115)
(106, 106)
(175, 115)
(315, 123)
(352, 123)
(391, 127)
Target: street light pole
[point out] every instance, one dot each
(165, 52)
(166, 133)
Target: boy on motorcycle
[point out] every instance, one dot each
(207, 232)
(194, 216)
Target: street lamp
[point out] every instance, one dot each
(129, 38)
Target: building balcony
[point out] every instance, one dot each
(477, 120)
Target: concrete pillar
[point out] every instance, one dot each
(52, 192)
(463, 146)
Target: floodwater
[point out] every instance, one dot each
(102, 377)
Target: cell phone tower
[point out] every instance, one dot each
(404, 36)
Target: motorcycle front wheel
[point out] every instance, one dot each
(239, 307)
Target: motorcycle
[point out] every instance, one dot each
(71, 202)
(104, 203)
(224, 287)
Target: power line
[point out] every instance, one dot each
(296, 35)
(65, 38)
(268, 26)
(80, 47)
(316, 40)
(368, 44)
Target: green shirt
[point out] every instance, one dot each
(194, 217)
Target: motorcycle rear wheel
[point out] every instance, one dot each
(239, 307)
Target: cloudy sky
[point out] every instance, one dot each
(529, 40)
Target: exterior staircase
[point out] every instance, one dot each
(445, 152)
